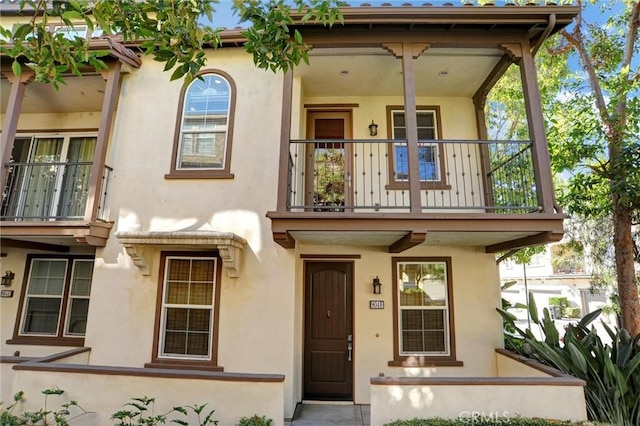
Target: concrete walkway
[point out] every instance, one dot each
(329, 414)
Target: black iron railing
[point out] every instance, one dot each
(55, 191)
(373, 175)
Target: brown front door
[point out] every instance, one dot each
(328, 164)
(328, 343)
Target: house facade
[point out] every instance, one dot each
(253, 240)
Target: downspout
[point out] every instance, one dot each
(545, 34)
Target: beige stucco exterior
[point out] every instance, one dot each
(261, 304)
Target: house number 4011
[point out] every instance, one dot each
(376, 304)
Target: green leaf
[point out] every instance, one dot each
(16, 68)
(22, 31)
(72, 14)
(533, 309)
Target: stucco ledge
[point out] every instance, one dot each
(229, 245)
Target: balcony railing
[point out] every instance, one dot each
(55, 191)
(373, 176)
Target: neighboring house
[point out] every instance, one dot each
(560, 272)
(219, 241)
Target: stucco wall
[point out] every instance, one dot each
(476, 293)
(482, 401)
(108, 393)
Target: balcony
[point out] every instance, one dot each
(430, 174)
(47, 201)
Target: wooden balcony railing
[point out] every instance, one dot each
(54, 191)
(373, 176)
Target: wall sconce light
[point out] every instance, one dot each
(7, 278)
(373, 129)
(376, 285)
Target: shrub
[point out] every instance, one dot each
(43, 415)
(563, 302)
(140, 411)
(255, 420)
(611, 371)
(571, 312)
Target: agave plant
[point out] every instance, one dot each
(611, 371)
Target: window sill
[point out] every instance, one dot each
(46, 341)
(425, 361)
(423, 185)
(199, 174)
(184, 365)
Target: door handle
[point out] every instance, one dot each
(349, 350)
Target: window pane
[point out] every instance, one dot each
(423, 331)
(187, 329)
(78, 313)
(427, 155)
(41, 316)
(204, 150)
(202, 270)
(425, 119)
(204, 123)
(82, 273)
(177, 293)
(401, 162)
(422, 284)
(47, 277)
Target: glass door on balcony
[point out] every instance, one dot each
(49, 178)
(328, 164)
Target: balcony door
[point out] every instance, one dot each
(49, 178)
(328, 164)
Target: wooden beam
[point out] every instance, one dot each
(540, 150)
(411, 126)
(284, 239)
(10, 124)
(32, 245)
(109, 102)
(285, 140)
(533, 240)
(480, 97)
(412, 239)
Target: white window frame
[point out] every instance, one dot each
(165, 306)
(435, 146)
(444, 309)
(210, 133)
(64, 297)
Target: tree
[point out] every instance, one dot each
(174, 32)
(594, 131)
(593, 123)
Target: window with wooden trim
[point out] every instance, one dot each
(188, 307)
(423, 311)
(430, 158)
(204, 131)
(55, 299)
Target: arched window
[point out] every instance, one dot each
(203, 135)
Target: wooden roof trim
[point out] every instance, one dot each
(454, 15)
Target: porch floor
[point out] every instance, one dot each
(330, 414)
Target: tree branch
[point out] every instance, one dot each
(576, 40)
(621, 105)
